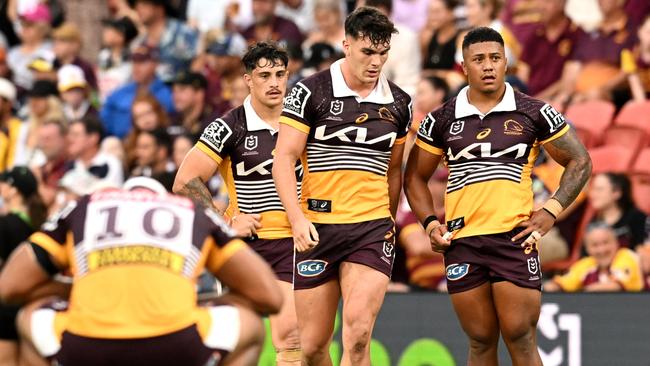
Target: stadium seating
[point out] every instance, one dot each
(631, 126)
(575, 250)
(591, 119)
(611, 158)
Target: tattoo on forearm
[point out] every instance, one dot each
(577, 167)
(196, 190)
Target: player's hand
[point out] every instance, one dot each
(305, 236)
(246, 225)
(439, 236)
(539, 223)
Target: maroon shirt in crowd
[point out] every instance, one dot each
(283, 30)
(546, 57)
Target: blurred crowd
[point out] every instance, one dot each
(72, 122)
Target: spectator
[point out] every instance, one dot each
(43, 104)
(320, 57)
(607, 268)
(205, 15)
(84, 138)
(438, 42)
(34, 28)
(42, 68)
(113, 61)
(116, 112)
(153, 151)
(67, 47)
(411, 13)
(269, 26)
(10, 126)
(610, 195)
(176, 41)
(23, 212)
(636, 63)
(296, 65)
(485, 13)
(51, 141)
(5, 71)
(431, 93)
(547, 49)
(75, 93)
(182, 145)
(403, 70)
(148, 115)
(328, 18)
(595, 71)
(193, 114)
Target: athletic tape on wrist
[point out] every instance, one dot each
(553, 207)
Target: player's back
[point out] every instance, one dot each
(134, 256)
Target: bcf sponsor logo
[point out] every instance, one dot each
(311, 268)
(457, 271)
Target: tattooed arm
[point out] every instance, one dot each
(569, 152)
(196, 169)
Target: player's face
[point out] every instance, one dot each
(364, 58)
(484, 64)
(601, 244)
(268, 82)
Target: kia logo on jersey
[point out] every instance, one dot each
(311, 268)
(457, 271)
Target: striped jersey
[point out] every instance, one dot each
(349, 145)
(243, 144)
(135, 257)
(490, 158)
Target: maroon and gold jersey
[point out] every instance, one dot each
(243, 144)
(135, 257)
(490, 158)
(349, 145)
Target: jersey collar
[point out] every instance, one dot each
(465, 109)
(253, 120)
(381, 94)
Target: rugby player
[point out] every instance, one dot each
(490, 136)
(348, 124)
(240, 145)
(135, 255)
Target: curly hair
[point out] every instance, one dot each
(267, 50)
(370, 23)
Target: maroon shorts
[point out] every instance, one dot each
(278, 253)
(183, 347)
(370, 243)
(474, 260)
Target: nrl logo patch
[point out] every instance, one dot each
(336, 107)
(250, 143)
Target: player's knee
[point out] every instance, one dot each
(252, 326)
(287, 339)
(358, 338)
(483, 338)
(518, 334)
(313, 352)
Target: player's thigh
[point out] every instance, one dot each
(517, 308)
(284, 325)
(316, 311)
(363, 289)
(476, 313)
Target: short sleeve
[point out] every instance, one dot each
(404, 123)
(297, 111)
(223, 244)
(626, 270)
(55, 233)
(572, 280)
(550, 124)
(217, 140)
(429, 136)
(628, 63)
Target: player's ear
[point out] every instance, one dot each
(346, 46)
(248, 80)
(462, 64)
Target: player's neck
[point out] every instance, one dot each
(270, 115)
(485, 102)
(356, 85)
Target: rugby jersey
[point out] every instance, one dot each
(348, 145)
(490, 158)
(243, 144)
(624, 269)
(135, 257)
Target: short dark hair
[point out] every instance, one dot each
(438, 83)
(367, 22)
(386, 4)
(264, 50)
(481, 34)
(92, 125)
(162, 138)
